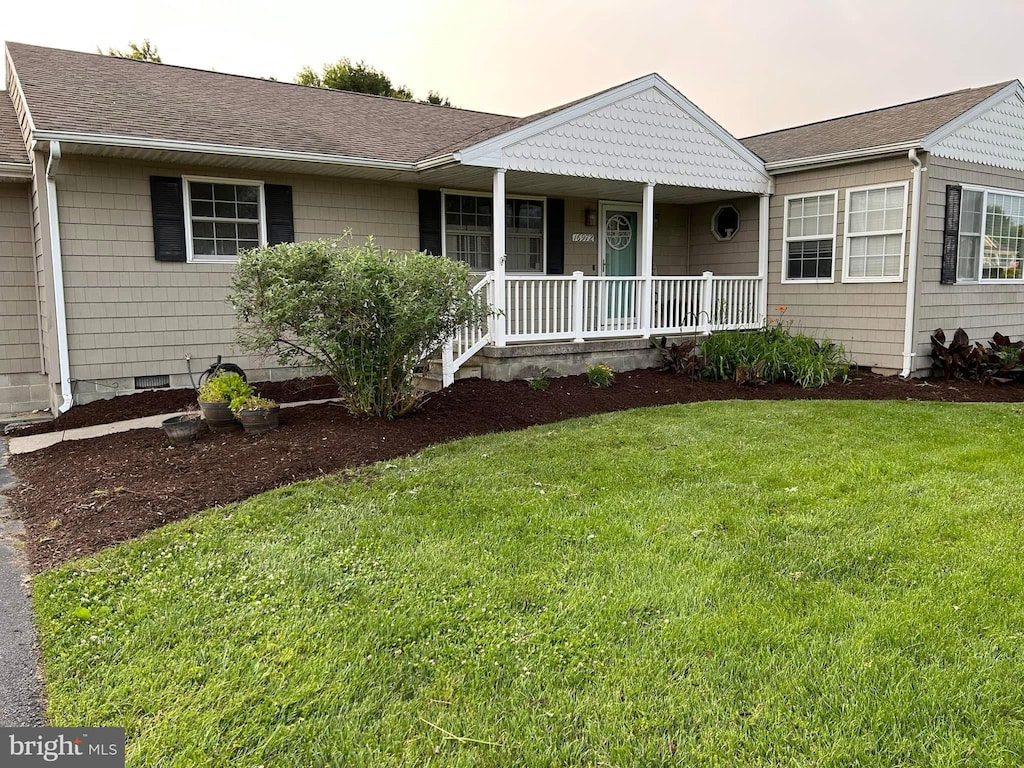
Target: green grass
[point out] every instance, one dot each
(738, 583)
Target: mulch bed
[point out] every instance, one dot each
(78, 497)
(171, 401)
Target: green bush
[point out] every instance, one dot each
(775, 354)
(224, 388)
(600, 374)
(367, 317)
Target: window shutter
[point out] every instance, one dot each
(951, 234)
(168, 218)
(430, 221)
(556, 237)
(280, 218)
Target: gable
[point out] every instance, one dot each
(651, 134)
(995, 137)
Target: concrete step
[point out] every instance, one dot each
(430, 380)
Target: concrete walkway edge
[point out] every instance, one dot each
(31, 443)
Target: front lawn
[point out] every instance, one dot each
(735, 583)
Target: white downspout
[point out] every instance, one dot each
(60, 310)
(915, 227)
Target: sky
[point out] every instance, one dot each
(752, 65)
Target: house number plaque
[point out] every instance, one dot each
(583, 237)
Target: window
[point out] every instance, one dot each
(468, 232)
(725, 223)
(991, 244)
(809, 238)
(876, 225)
(223, 217)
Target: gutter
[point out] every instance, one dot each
(16, 170)
(56, 257)
(802, 163)
(915, 231)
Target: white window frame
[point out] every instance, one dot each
(786, 239)
(978, 280)
(543, 236)
(186, 193)
(902, 232)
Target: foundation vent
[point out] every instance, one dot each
(152, 382)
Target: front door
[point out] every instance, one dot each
(620, 237)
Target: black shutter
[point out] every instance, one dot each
(556, 237)
(951, 234)
(168, 218)
(280, 218)
(430, 221)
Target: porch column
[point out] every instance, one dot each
(498, 248)
(647, 261)
(762, 257)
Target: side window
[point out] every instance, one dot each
(809, 238)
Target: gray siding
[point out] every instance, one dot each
(980, 309)
(867, 318)
(737, 256)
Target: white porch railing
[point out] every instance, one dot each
(581, 307)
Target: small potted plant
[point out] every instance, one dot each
(215, 398)
(182, 429)
(257, 414)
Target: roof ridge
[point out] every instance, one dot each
(259, 79)
(997, 86)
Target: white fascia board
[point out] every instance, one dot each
(802, 163)
(136, 142)
(489, 152)
(945, 131)
(16, 170)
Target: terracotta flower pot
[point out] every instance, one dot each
(181, 430)
(218, 416)
(260, 420)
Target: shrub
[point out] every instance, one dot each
(773, 353)
(224, 388)
(600, 374)
(683, 356)
(541, 381)
(365, 316)
(1000, 362)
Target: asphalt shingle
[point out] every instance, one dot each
(12, 145)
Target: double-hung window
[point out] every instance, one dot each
(223, 217)
(991, 246)
(469, 232)
(876, 227)
(809, 238)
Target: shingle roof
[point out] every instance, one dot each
(12, 145)
(877, 128)
(96, 94)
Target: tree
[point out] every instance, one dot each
(360, 77)
(145, 52)
(369, 318)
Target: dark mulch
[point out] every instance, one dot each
(172, 400)
(78, 497)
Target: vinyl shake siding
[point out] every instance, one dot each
(866, 318)
(978, 308)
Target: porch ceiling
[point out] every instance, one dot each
(477, 179)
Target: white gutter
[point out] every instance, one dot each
(138, 142)
(915, 230)
(800, 163)
(60, 310)
(16, 170)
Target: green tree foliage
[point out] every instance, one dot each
(145, 52)
(360, 77)
(367, 317)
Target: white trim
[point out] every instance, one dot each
(718, 210)
(137, 142)
(979, 280)
(13, 73)
(186, 182)
(544, 227)
(915, 237)
(763, 219)
(902, 232)
(806, 238)
(57, 267)
(488, 153)
(946, 130)
(602, 209)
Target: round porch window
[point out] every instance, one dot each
(617, 232)
(725, 223)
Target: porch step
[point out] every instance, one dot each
(430, 380)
